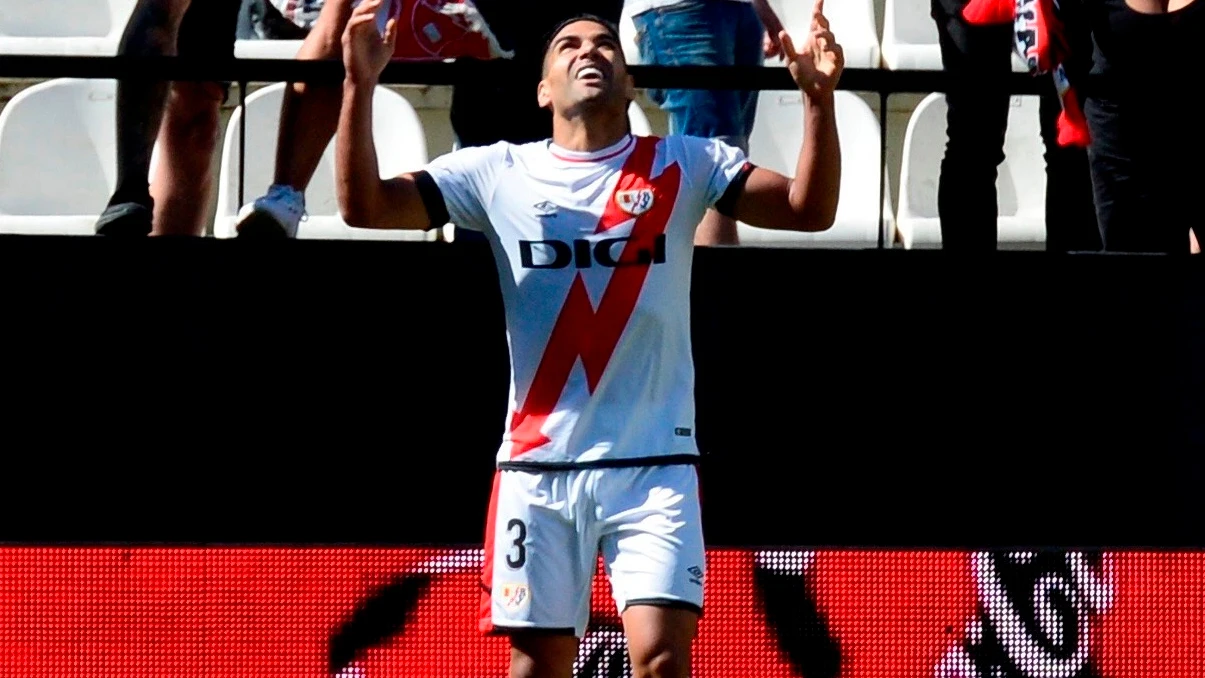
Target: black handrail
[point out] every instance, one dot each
(884, 82)
(445, 73)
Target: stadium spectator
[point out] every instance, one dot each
(601, 459)
(1147, 138)
(708, 33)
(979, 57)
(498, 107)
(183, 116)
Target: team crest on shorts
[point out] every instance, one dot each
(515, 597)
(635, 202)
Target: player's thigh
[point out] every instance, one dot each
(652, 541)
(536, 558)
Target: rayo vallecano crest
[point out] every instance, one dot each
(635, 202)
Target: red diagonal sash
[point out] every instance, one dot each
(580, 331)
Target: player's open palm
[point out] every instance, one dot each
(816, 67)
(365, 51)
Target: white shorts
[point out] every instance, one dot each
(546, 529)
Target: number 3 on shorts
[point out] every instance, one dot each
(516, 557)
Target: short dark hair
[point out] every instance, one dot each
(611, 28)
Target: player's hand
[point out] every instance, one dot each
(365, 51)
(817, 67)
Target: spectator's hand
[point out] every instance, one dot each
(817, 67)
(771, 45)
(365, 51)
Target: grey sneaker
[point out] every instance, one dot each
(125, 220)
(275, 215)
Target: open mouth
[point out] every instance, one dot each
(589, 74)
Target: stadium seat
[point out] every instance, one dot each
(639, 121)
(63, 27)
(58, 155)
(401, 146)
(1021, 185)
(777, 136)
(852, 21)
(910, 37)
(266, 49)
(627, 37)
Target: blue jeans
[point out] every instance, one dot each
(704, 33)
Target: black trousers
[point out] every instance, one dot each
(979, 59)
(1147, 169)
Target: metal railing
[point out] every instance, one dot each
(883, 82)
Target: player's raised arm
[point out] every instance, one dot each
(365, 200)
(808, 202)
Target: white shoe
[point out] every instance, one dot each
(276, 214)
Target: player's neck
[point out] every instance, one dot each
(589, 133)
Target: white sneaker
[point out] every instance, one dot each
(276, 214)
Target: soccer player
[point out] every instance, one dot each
(592, 231)
(184, 118)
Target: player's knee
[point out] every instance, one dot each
(662, 662)
(539, 655)
(525, 666)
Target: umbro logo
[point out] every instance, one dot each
(546, 209)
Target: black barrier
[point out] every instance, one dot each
(449, 73)
(245, 71)
(213, 391)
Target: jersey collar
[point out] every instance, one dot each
(592, 156)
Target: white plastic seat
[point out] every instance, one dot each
(852, 21)
(266, 49)
(774, 144)
(401, 147)
(1021, 184)
(627, 37)
(58, 158)
(910, 37)
(639, 121)
(63, 27)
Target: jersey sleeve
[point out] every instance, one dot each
(727, 167)
(466, 179)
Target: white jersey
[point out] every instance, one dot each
(594, 256)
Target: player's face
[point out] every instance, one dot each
(584, 66)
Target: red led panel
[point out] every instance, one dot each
(377, 612)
